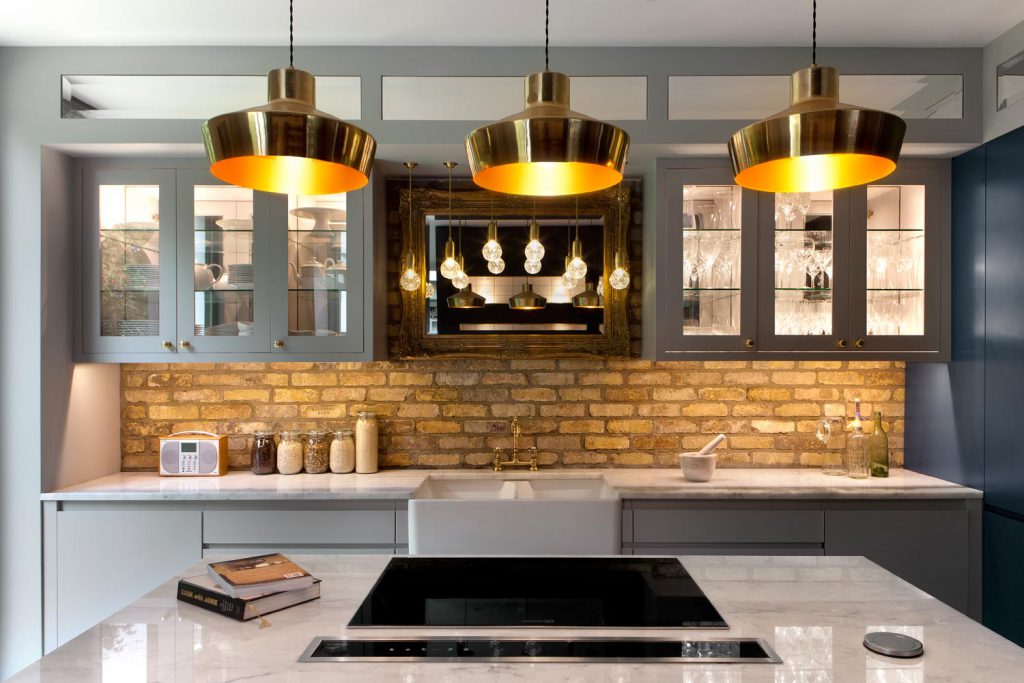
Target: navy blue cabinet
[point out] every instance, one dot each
(1003, 576)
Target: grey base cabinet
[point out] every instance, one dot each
(99, 557)
(933, 544)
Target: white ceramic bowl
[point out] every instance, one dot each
(697, 467)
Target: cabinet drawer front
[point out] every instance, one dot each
(291, 527)
(223, 551)
(798, 549)
(728, 526)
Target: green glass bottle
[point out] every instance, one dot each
(878, 449)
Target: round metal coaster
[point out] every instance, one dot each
(893, 644)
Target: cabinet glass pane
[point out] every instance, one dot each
(129, 223)
(711, 259)
(803, 263)
(317, 265)
(223, 269)
(895, 260)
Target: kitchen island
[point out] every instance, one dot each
(813, 611)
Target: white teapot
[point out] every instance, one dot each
(207, 275)
(310, 274)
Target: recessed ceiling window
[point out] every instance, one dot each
(482, 98)
(160, 96)
(744, 98)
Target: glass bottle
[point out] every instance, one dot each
(366, 443)
(878, 449)
(833, 461)
(263, 458)
(857, 453)
(343, 452)
(316, 456)
(289, 452)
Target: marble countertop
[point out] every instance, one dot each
(399, 485)
(814, 611)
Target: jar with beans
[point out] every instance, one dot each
(263, 458)
(317, 454)
(289, 452)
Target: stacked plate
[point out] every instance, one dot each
(138, 328)
(236, 329)
(141, 276)
(240, 275)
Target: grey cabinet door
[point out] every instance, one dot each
(318, 268)
(924, 543)
(899, 255)
(222, 277)
(804, 272)
(707, 274)
(127, 249)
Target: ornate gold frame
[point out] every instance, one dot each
(612, 204)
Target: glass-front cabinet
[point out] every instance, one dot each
(128, 295)
(712, 237)
(222, 276)
(853, 271)
(177, 265)
(804, 286)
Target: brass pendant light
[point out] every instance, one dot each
(527, 300)
(466, 298)
(547, 149)
(449, 266)
(287, 145)
(588, 298)
(818, 143)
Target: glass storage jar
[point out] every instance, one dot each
(857, 454)
(343, 452)
(316, 456)
(289, 452)
(366, 443)
(263, 458)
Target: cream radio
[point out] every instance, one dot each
(193, 454)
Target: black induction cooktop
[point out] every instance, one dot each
(627, 592)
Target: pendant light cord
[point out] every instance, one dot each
(547, 15)
(449, 204)
(814, 33)
(291, 34)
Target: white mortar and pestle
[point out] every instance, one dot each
(700, 466)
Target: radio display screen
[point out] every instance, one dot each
(189, 447)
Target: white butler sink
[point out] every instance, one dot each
(524, 516)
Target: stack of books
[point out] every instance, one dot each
(250, 587)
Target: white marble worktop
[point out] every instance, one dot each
(814, 611)
(399, 485)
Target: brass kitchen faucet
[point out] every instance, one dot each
(517, 431)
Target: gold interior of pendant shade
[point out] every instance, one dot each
(547, 149)
(288, 145)
(818, 143)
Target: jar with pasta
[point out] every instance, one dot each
(289, 452)
(366, 443)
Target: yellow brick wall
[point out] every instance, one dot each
(601, 413)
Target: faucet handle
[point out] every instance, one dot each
(497, 460)
(533, 458)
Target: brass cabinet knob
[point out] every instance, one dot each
(749, 343)
(859, 343)
(278, 343)
(168, 345)
(185, 344)
(841, 343)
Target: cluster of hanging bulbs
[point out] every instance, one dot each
(492, 249)
(534, 251)
(575, 266)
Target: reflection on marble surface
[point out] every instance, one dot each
(813, 610)
(399, 484)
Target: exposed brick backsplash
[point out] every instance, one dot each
(577, 412)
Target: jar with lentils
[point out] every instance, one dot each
(289, 452)
(317, 454)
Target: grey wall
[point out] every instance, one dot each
(36, 386)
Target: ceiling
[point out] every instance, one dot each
(863, 23)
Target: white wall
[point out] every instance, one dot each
(995, 123)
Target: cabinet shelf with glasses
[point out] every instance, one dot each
(861, 270)
(178, 266)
